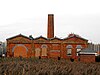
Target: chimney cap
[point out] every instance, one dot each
(50, 14)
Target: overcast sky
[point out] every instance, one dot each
(29, 17)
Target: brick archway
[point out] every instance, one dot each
(20, 50)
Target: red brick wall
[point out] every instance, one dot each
(87, 57)
(11, 46)
(54, 44)
(74, 56)
(49, 48)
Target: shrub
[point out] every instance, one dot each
(35, 66)
(97, 58)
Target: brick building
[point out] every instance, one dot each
(87, 55)
(50, 47)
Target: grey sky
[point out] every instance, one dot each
(29, 17)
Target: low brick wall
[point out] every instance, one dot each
(87, 57)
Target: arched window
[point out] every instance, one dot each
(37, 52)
(78, 49)
(20, 50)
(44, 50)
(69, 50)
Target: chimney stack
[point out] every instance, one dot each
(50, 33)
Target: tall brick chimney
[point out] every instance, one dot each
(50, 33)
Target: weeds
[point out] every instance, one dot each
(35, 66)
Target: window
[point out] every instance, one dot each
(78, 49)
(37, 52)
(44, 50)
(69, 50)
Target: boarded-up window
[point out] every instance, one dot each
(20, 50)
(37, 52)
(44, 50)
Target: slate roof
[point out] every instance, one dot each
(87, 51)
(18, 36)
(41, 37)
(47, 38)
(74, 35)
(55, 38)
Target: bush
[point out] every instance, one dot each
(71, 59)
(35, 66)
(97, 58)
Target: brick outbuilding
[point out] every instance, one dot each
(87, 55)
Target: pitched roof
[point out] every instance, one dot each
(41, 37)
(87, 51)
(18, 36)
(55, 38)
(74, 35)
